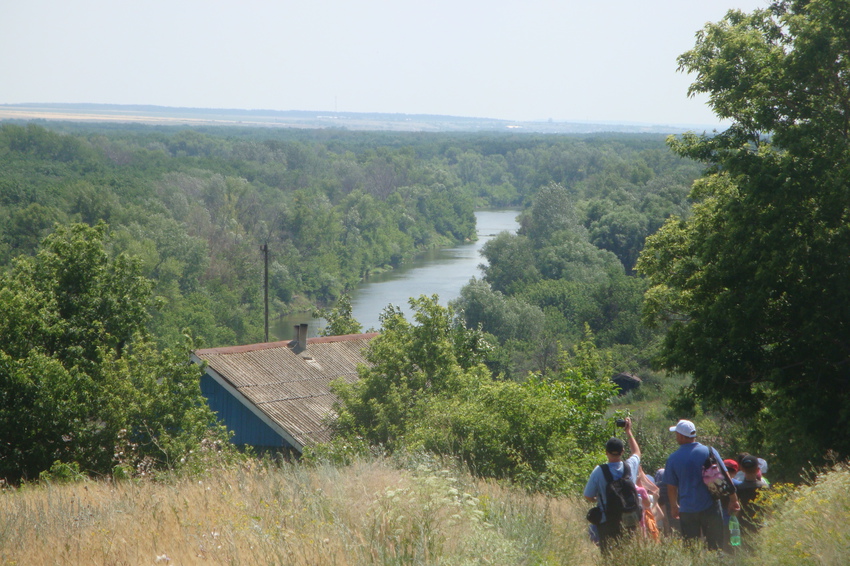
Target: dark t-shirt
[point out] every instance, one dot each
(747, 492)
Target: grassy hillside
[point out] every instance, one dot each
(364, 514)
(368, 513)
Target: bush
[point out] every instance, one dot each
(427, 389)
(61, 472)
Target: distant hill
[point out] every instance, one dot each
(313, 119)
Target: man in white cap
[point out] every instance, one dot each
(690, 501)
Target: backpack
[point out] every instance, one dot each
(622, 504)
(716, 480)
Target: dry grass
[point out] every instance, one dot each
(368, 513)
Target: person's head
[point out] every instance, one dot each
(685, 431)
(731, 466)
(750, 466)
(614, 449)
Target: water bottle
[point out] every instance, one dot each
(734, 531)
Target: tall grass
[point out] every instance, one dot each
(811, 525)
(368, 513)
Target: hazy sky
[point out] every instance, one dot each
(567, 60)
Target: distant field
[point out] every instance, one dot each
(161, 115)
(151, 115)
(258, 118)
(45, 113)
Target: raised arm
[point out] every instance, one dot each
(633, 445)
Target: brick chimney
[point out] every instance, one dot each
(299, 337)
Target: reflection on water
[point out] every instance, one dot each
(443, 272)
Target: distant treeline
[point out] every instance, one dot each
(196, 205)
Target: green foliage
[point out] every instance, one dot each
(409, 365)
(553, 211)
(85, 301)
(61, 472)
(79, 378)
(510, 263)
(428, 389)
(516, 329)
(752, 285)
(505, 317)
(42, 410)
(340, 319)
(195, 205)
(558, 264)
(622, 231)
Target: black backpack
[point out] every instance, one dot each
(622, 504)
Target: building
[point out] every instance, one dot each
(276, 395)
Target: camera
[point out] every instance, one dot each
(621, 422)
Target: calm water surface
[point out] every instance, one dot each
(443, 272)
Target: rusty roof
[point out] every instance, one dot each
(290, 386)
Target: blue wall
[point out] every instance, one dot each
(248, 428)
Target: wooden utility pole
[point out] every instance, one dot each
(265, 249)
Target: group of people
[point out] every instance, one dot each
(678, 497)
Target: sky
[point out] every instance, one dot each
(524, 60)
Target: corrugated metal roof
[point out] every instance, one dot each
(291, 387)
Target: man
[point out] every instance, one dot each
(691, 503)
(596, 485)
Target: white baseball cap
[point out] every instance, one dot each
(685, 428)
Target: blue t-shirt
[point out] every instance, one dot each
(684, 470)
(596, 484)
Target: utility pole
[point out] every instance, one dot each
(265, 250)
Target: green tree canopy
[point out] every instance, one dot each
(427, 388)
(504, 317)
(340, 319)
(410, 363)
(80, 381)
(754, 284)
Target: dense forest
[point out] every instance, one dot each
(196, 205)
(123, 247)
(717, 260)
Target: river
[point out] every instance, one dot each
(443, 271)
